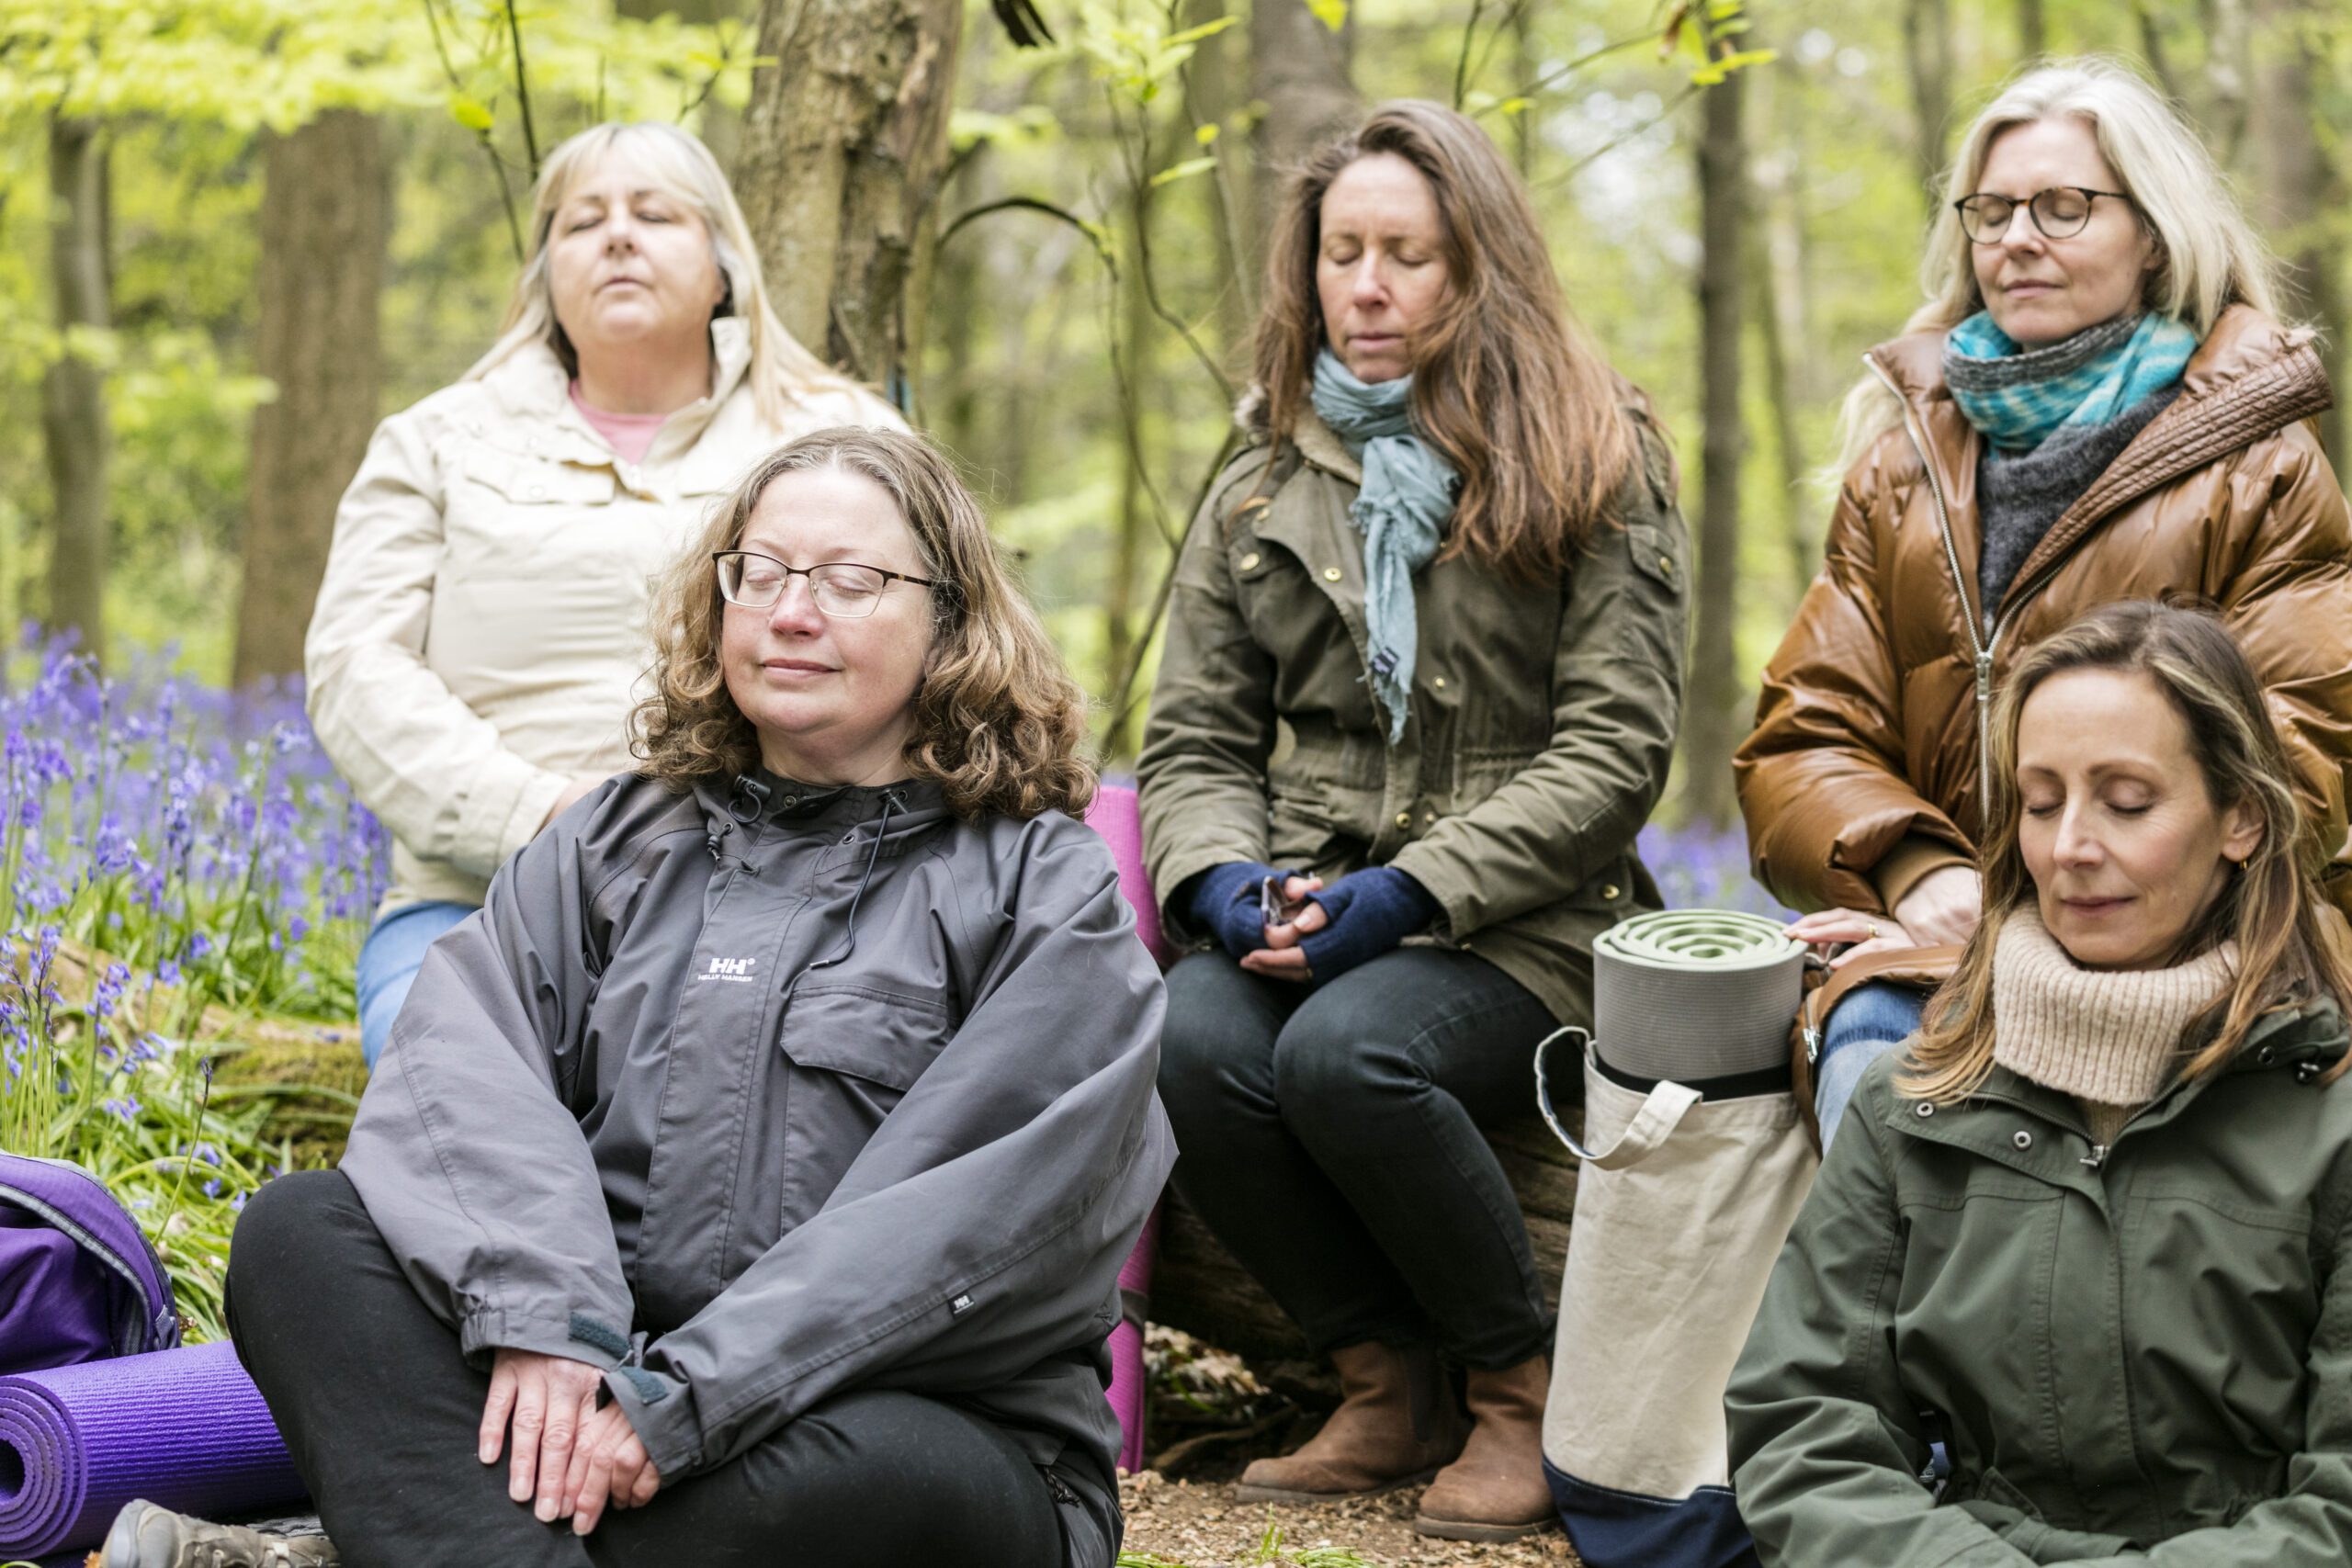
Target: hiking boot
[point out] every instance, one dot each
(1495, 1491)
(147, 1535)
(1395, 1426)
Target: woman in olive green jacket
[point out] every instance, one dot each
(1423, 666)
(2091, 1230)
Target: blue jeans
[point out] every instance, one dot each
(388, 961)
(1870, 1021)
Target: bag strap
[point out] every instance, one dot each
(1655, 1123)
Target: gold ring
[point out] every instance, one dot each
(1873, 929)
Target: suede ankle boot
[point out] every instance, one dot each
(1397, 1425)
(1495, 1491)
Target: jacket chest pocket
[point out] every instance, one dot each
(526, 517)
(1316, 665)
(850, 1054)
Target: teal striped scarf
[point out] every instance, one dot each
(2019, 397)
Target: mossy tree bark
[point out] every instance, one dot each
(324, 225)
(842, 151)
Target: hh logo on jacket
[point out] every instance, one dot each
(736, 969)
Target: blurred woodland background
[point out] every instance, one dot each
(234, 234)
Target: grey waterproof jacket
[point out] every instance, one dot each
(751, 1095)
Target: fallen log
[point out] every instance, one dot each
(1198, 1287)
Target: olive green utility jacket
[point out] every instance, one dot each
(1542, 715)
(2141, 1353)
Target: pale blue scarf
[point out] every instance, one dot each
(1403, 507)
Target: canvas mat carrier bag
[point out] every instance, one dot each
(1695, 1159)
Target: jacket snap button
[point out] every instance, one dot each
(1666, 565)
(2023, 1140)
(1331, 574)
(1249, 561)
(1439, 682)
(1403, 818)
(1925, 1110)
(1609, 892)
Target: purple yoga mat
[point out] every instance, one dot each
(184, 1428)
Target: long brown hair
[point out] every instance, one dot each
(1506, 384)
(2270, 908)
(997, 720)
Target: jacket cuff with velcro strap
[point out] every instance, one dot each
(1913, 859)
(578, 1336)
(661, 1411)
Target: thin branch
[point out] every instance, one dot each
(1033, 204)
(730, 37)
(489, 147)
(1462, 60)
(1123, 703)
(1550, 78)
(1618, 139)
(522, 91)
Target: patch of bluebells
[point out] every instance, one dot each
(196, 835)
(158, 833)
(1700, 868)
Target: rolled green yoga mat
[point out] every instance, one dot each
(1695, 994)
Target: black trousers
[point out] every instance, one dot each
(1331, 1139)
(381, 1414)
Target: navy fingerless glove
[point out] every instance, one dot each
(1370, 911)
(1225, 905)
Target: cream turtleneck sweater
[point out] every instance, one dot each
(2110, 1037)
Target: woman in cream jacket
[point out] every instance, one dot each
(482, 624)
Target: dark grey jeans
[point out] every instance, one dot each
(381, 1414)
(1331, 1139)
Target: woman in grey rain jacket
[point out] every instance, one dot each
(749, 1180)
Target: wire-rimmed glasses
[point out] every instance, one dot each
(844, 590)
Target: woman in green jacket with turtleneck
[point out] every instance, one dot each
(2092, 1228)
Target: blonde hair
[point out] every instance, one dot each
(782, 371)
(2209, 256)
(998, 722)
(2270, 906)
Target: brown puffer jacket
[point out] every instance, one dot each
(1864, 772)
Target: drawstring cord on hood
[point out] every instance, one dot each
(746, 788)
(892, 801)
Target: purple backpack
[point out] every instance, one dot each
(79, 1281)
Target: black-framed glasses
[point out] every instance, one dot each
(843, 589)
(2059, 212)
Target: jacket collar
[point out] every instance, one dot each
(2306, 1041)
(532, 384)
(1321, 447)
(2249, 379)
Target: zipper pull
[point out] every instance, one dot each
(1983, 677)
(2097, 1159)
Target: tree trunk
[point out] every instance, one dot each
(1927, 46)
(324, 227)
(1299, 71)
(842, 151)
(1710, 717)
(72, 403)
(2301, 192)
(2034, 30)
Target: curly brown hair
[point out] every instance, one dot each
(998, 722)
(1507, 385)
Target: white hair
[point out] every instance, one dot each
(2209, 256)
(782, 371)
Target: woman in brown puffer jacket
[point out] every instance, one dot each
(2099, 404)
